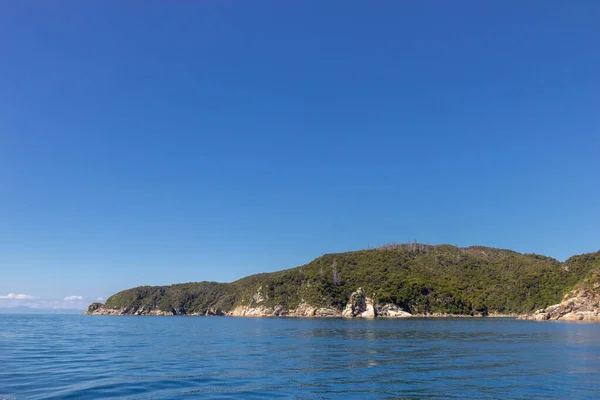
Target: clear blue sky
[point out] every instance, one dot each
(163, 142)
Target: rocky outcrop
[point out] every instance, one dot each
(359, 306)
(306, 310)
(94, 307)
(104, 311)
(391, 311)
(581, 304)
(325, 312)
(95, 310)
(252, 311)
(214, 311)
(258, 297)
(303, 310)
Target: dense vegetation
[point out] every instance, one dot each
(419, 278)
(587, 262)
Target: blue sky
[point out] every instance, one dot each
(170, 142)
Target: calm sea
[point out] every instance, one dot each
(81, 357)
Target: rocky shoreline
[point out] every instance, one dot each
(581, 304)
(277, 312)
(399, 281)
(359, 306)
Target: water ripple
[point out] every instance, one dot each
(75, 357)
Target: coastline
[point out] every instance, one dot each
(592, 318)
(331, 286)
(278, 313)
(551, 313)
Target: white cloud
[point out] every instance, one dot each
(19, 300)
(73, 298)
(100, 299)
(14, 296)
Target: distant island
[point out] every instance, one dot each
(393, 281)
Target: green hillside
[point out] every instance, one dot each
(591, 264)
(418, 278)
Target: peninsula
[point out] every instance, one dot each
(393, 281)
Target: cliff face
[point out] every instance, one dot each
(394, 281)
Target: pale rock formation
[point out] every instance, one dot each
(252, 311)
(359, 306)
(392, 311)
(303, 310)
(581, 304)
(327, 313)
(127, 311)
(258, 297)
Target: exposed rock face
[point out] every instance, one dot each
(248, 311)
(158, 312)
(327, 313)
(258, 297)
(103, 311)
(93, 307)
(213, 311)
(391, 311)
(303, 310)
(95, 310)
(370, 311)
(359, 306)
(582, 304)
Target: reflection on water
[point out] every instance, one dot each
(74, 357)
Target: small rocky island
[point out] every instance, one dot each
(393, 281)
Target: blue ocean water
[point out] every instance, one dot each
(102, 357)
